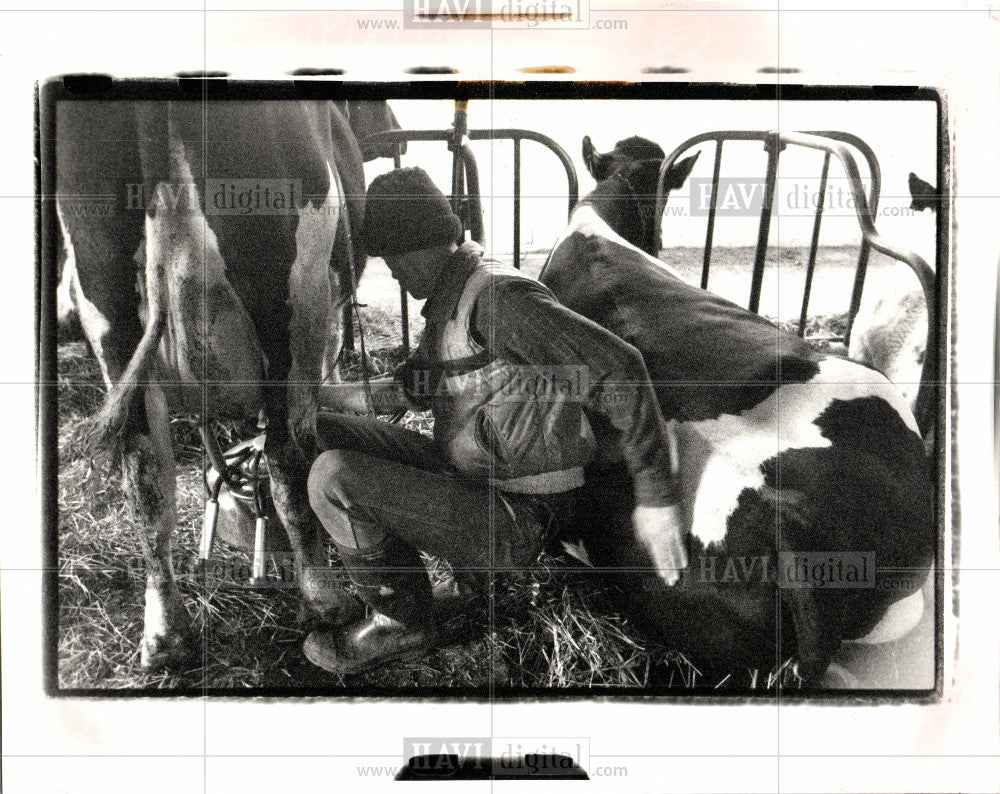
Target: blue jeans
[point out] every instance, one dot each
(376, 479)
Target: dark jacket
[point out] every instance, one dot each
(511, 375)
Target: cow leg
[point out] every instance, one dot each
(314, 339)
(100, 273)
(166, 631)
(149, 479)
(67, 321)
(289, 458)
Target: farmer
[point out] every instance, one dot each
(511, 377)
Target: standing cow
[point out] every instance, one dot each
(795, 467)
(208, 289)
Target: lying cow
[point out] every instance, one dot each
(791, 463)
(236, 309)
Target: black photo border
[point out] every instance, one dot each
(102, 87)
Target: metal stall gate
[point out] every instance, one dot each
(832, 144)
(465, 197)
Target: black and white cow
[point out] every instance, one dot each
(789, 460)
(199, 293)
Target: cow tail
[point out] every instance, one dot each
(106, 431)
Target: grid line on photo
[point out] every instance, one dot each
(208, 627)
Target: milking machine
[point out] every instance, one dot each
(239, 510)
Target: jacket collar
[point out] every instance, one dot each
(448, 289)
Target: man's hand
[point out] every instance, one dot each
(660, 530)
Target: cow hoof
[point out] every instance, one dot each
(167, 638)
(165, 650)
(325, 597)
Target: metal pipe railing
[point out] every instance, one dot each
(924, 409)
(713, 203)
(507, 133)
(814, 246)
(517, 203)
(456, 142)
(472, 215)
(834, 144)
(719, 137)
(875, 190)
(773, 146)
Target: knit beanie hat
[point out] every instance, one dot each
(405, 211)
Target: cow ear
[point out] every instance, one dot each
(680, 171)
(923, 194)
(590, 156)
(919, 187)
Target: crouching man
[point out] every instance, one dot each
(511, 377)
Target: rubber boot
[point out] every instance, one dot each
(458, 594)
(393, 582)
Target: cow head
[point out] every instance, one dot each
(629, 150)
(625, 195)
(367, 118)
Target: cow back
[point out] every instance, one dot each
(705, 355)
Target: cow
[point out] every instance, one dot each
(208, 289)
(890, 334)
(791, 464)
(365, 118)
